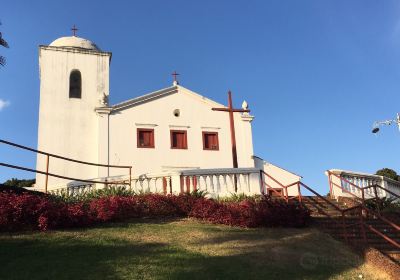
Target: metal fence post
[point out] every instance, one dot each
(377, 199)
(130, 177)
(344, 227)
(299, 191)
(47, 173)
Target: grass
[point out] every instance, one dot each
(178, 249)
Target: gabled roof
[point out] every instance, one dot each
(161, 93)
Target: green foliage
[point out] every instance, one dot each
(199, 193)
(3, 43)
(384, 204)
(238, 197)
(389, 173)
(65, 196)
(19, 183)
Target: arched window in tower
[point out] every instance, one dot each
(75, 84)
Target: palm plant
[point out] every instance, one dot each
(4, 44)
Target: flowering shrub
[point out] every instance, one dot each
(251, 213)
(27, 211)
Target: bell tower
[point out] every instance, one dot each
(74, 80)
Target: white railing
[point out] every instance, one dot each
(73, 190)
(348, 184)
(151, 183)
(221, 182)
(215, 182)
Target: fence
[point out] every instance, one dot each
(360, 185)
(360, 212)
(48, 174)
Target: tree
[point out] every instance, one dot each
(4, 44)
(389, 173)
(14, 182)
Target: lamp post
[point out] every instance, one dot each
(386, 122)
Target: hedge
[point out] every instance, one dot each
(33, 212)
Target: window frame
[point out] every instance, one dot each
(204, 133)
(75, 72)
(172, 131)
(152, 143)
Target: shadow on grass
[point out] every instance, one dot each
(52, 256)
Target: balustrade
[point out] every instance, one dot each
(352, 184)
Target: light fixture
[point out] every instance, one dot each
(375, 130)
(386, 122)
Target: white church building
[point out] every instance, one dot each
(172, 137)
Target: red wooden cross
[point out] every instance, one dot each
(231, 110)
(74, 29)
(175, 77)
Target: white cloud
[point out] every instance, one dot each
(3, 104)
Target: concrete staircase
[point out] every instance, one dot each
(330, 220)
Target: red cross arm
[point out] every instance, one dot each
(228, 110)
(221, 109)
(241, 110)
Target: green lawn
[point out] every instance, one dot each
(177, 249)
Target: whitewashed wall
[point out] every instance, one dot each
(69, 127)
(195, 117)
(283, 176)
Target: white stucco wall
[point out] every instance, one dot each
(195, 116)
(281, 175)
(69, 127)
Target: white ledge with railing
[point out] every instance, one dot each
(217, 182)
(344, 183)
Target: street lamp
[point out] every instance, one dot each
(387, 122)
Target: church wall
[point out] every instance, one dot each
(69, 126)
(195, 116)
(283, 176)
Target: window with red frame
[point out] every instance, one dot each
(178, 139)
(145, 138)
(210, 141)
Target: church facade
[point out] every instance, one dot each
(169, 130)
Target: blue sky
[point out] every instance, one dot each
(316, 74)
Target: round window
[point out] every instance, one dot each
(177, 113)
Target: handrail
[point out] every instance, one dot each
(47, 173)
(363, 199)
(384, 236)
(358, 187)
(320, 196)
(346, 191)
(61, 157)
(292, 184)
(53, 175)
(273, 179)
(344, 179)
(273, 189)
(382, 218)
(386, 190)
(362, 223)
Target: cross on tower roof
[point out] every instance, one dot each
(74, 29)
(175, 78)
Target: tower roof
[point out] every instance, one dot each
(74, 42)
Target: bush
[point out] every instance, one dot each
(385, 205)
(32, 212)
(27, 211)
(252, 213)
